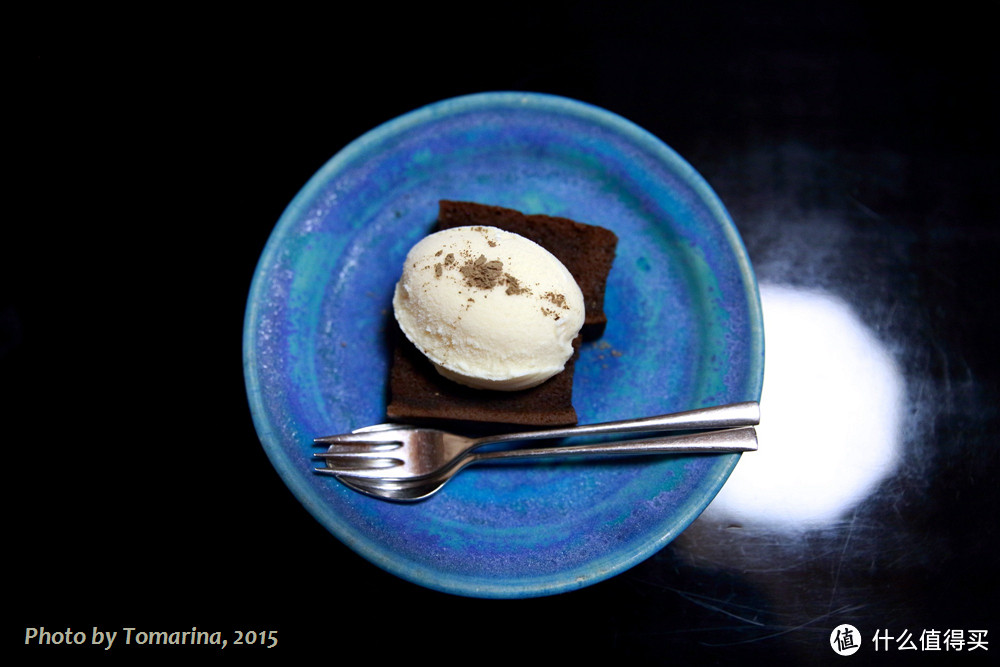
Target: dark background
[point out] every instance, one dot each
(152, 155)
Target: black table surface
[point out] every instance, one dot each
(856, 150)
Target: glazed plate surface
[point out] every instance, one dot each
(685, 331)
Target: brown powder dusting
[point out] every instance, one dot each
(605, 345)
(482, 273)
(556, 299)
(449, 259)
(514, 285)
(438, 270)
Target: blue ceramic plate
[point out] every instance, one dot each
(684, 331)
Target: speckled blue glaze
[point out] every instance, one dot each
(685, 331)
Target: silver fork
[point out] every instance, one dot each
(743, 439)
(399, 452)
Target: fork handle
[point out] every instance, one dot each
(718, 417)
(743, 439)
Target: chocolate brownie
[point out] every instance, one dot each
(418, 391)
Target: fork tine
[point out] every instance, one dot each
(374, 468)
(359, 448)
(359, 456)
(348, 452)
(388, 426)
(371, 437)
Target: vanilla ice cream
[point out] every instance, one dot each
(490, 309)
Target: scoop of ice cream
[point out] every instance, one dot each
(490, 309)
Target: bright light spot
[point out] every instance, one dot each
(830, 417)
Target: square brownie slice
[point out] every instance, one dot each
(419, 392)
